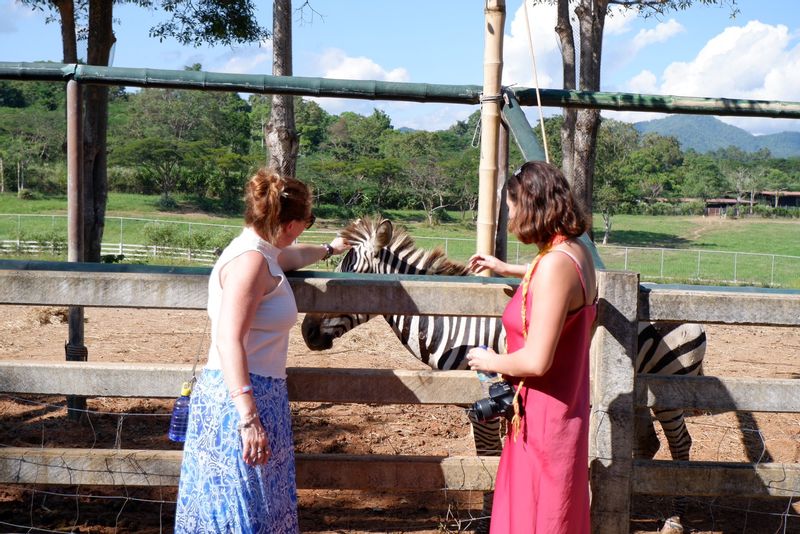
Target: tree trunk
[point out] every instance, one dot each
(66, 11)
(280, 134)
(567, 41)
(95, 189)
(591, 19)
(607, 229)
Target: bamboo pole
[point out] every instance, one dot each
(377, 90)
(495, 16)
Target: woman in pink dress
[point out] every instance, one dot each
(542, 484)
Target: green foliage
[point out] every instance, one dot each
(210, 21)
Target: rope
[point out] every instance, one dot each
(536, 81)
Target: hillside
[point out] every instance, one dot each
(705, 134)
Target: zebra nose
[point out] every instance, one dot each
(312, 335)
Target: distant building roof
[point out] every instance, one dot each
(721, 201)
(781, 193)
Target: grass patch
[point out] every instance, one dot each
(702, 246)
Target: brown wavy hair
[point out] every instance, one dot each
(272, 200)
(544, 205)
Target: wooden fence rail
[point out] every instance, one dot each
(623, 302)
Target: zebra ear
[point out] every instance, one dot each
(383, 235)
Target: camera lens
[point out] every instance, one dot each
(485, 410)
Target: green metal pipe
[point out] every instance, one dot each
(376, 90)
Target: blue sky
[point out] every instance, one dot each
(698, 52)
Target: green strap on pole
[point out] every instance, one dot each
(521, 129)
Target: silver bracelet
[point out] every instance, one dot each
(328, 251)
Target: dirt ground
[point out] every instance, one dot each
(128, 335)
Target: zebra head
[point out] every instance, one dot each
(377, 247)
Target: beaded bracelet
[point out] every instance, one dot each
(239, 391)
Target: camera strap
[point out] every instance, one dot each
(526, 281)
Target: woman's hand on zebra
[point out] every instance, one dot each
(481, 262)
(480, 359)
(340, 245)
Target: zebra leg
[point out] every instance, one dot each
(487, 443)
(680, 444)
(646, 443)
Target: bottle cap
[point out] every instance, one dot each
(186, 389)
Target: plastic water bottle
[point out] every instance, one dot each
(486, 378)
(180, 415)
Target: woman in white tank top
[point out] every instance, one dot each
(238, 471)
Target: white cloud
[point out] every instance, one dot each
(253, 61)
(661, 33)
(10, 13)
(517, 61)
(644, 82)
(335, 63)
(619, 20)
(754, 61)
(432, 117)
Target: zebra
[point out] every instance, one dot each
(442, 342)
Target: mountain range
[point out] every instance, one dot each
(706, 134)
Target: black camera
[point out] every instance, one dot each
(500, 402)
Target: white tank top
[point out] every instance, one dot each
(267, 342)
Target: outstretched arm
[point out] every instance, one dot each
(298, 256)
(480, 262)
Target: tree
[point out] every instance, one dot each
(280, 134)
(702, 177)
(428, 186)
(190, 22)
(617, 141)
(581, 71)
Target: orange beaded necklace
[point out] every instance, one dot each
(554, 242)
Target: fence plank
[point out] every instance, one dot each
(117, 467)
(124, 467)
(698, 479)
(306, 384)
(711, 305)
(383, 386)
(718, 394)
(317, 291)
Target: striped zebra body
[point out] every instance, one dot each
(442, 342)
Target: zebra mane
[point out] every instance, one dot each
(401, 244)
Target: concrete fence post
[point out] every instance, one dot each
(611, 426)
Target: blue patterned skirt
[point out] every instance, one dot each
(218, 492)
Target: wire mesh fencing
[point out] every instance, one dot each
(194, 243)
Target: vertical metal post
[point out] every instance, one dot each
(662, 263)
(772, 274)
(625, 267)
(735, 266)
(74, 348)
(698, 265)
(501, 235)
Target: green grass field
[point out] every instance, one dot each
(695, 249)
